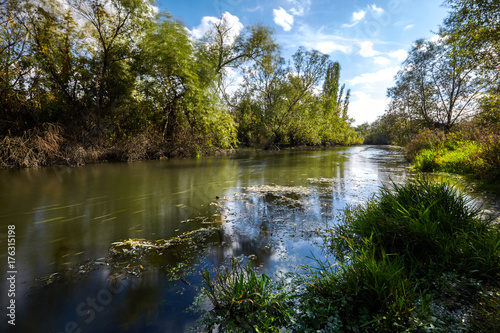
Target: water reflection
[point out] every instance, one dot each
(65, 216)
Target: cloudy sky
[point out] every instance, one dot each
(369, 38)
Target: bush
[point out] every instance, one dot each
(419, 257)
(425, 140)
(490, 154)
(391, 254)
(36, 147)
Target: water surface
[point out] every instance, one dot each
(270, 206)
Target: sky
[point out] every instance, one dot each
(369, 38)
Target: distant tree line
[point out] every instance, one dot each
(447, 83)
(84, 80)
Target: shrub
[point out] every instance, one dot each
(36, 147)
(425, 140)
(419, 257)
(391, 254)
(427, 223)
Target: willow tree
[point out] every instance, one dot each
(15, 67)
(57, 44)
(175, 84)
(224, 47)
(114, 28)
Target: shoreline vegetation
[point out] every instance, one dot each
(419, 257)
(445, 104)
(48, 148)
(115, 80)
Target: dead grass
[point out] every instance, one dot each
(47, 145)
(36, 147)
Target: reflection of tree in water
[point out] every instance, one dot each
(261, 219)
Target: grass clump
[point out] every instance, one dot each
(458, 157)
(470, 153)
(245, 301)
(415, 258)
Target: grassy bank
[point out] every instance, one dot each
(419, 257)
(476, 155)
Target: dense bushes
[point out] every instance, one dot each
(113, 74)
(469, 152)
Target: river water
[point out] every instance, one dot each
(271, 207)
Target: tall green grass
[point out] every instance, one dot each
(391, 252)
(245, 301)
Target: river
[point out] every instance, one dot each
(271, 207)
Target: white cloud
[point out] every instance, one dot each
(317, 39)
(399, 55)
(358, 16)
(376, 9)
(329, 47)
(408, 27)
(300, 7)
(251, 10)
(382, 61)
(207, 22)
(367, 49)
(283, 19)
(383, 75)
(365, 108)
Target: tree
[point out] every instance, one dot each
(57, 45)
(174, 83)
(331, 88)
(437, 84)
(224, 47)
(15, 67)
(114, 27)
(474, 27)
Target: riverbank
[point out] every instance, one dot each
(48, 147)
(473, 154)
(418, 257)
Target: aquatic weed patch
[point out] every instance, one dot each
(132, 257)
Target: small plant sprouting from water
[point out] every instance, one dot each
(244, 300)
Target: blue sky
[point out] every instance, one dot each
(369, 38)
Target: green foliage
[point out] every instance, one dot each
(111, 72)
(470, 153)
(181, 96)
(426, 140)
(400, 256)
(278, 104)
(473, 26)
(244, 301)
(441, 84)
